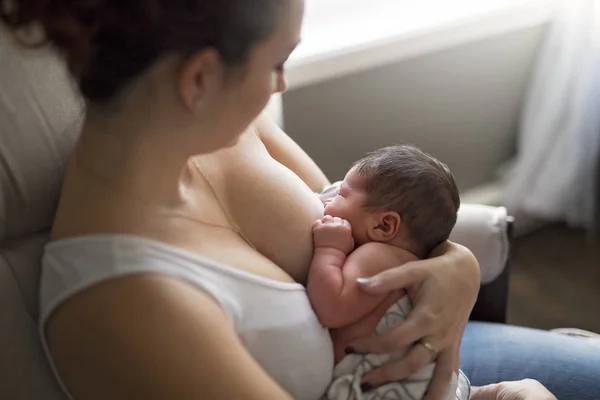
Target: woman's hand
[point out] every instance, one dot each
(443, 290)
(527, 389)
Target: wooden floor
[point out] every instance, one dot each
(555, 280)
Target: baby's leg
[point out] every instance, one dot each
(347, 374)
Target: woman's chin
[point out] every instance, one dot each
(233, 141)
(228, 144)
(214, 147)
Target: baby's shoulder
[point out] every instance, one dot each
(384, 253)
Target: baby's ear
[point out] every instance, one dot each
(386, 226)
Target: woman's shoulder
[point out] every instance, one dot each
(103, 280)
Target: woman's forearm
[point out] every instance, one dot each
(458, 256)
(460, 262)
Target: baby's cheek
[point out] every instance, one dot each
(359, 233)
(333, 209)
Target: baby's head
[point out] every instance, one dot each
(398, 195)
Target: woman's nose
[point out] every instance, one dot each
(281, 85)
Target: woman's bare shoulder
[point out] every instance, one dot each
(151, 336)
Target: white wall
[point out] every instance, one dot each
(460, 104)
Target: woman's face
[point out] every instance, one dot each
(246, 90)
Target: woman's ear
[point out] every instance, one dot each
(197, 79)
(386, 226)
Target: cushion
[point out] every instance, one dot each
(40, 116)
(484, 230)
(27, 374)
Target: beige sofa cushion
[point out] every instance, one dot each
(39, 119)
(25, 372)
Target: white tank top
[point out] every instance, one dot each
(273, 319)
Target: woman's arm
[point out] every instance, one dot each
(283, 149)
(151, 337)
(526, 389)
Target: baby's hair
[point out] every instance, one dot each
(420, 188)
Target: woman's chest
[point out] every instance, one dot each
(282, 333)
(271, 206)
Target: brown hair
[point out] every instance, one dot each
(420, 188)
(107, 43)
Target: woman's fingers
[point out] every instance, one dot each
(526, 389)
(488, 392)
(442, 376)
(421, 322)
(393, 279)
(398, 337)
(413, 361)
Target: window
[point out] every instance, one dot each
(345, 36)
(334, 24)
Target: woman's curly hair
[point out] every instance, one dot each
(107, 43)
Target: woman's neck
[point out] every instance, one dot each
(134, 157)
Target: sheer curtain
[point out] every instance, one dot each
(555, 174)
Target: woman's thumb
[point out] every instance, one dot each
(488, 392)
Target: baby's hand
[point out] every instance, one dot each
(333, 232)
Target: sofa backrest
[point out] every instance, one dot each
(40, 116)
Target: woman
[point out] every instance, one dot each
(182, 230)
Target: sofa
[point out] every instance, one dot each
(40, 116)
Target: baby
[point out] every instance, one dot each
(394, 206)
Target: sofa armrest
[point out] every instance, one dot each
(492, 301)
(484, 230)
(487, 232)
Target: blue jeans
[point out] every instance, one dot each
(569, 367)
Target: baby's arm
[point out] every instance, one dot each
(332, 287)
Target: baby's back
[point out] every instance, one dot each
(344, 336)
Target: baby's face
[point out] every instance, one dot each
(349, 205)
